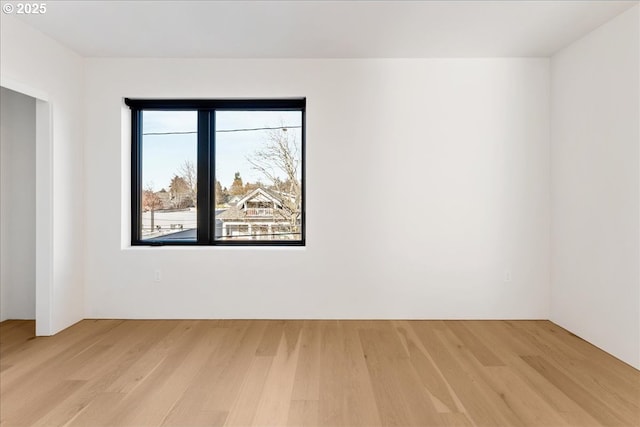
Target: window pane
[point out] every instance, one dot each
(169, 175)
(258, 169)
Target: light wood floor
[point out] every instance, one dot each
(311, 373)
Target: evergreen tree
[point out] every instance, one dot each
(221, 194)
(237, 188)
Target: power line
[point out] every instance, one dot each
(171, 133)
(284, 128)
(254, 129)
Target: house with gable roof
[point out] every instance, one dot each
(259, 215)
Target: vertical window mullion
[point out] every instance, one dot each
(204, 173)
(136, 174)
(212, 182)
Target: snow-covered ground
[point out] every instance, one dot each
(169, 222)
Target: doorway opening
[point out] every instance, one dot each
(25, 208)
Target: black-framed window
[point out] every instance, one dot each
(218, 172)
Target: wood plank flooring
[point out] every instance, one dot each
(311, 373)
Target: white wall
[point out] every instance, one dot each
(32, 61)
(439, 169)
(17, 206)
(596, 187)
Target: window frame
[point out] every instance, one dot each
(206, 161)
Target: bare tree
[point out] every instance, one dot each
(279, 162)
(180, 192)
(151, 201)
(189, 174)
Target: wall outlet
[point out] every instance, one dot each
(157, 276)
(507, 276)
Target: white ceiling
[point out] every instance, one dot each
(321, 29)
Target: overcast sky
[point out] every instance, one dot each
(163, 154)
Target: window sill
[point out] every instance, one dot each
(145, 248)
